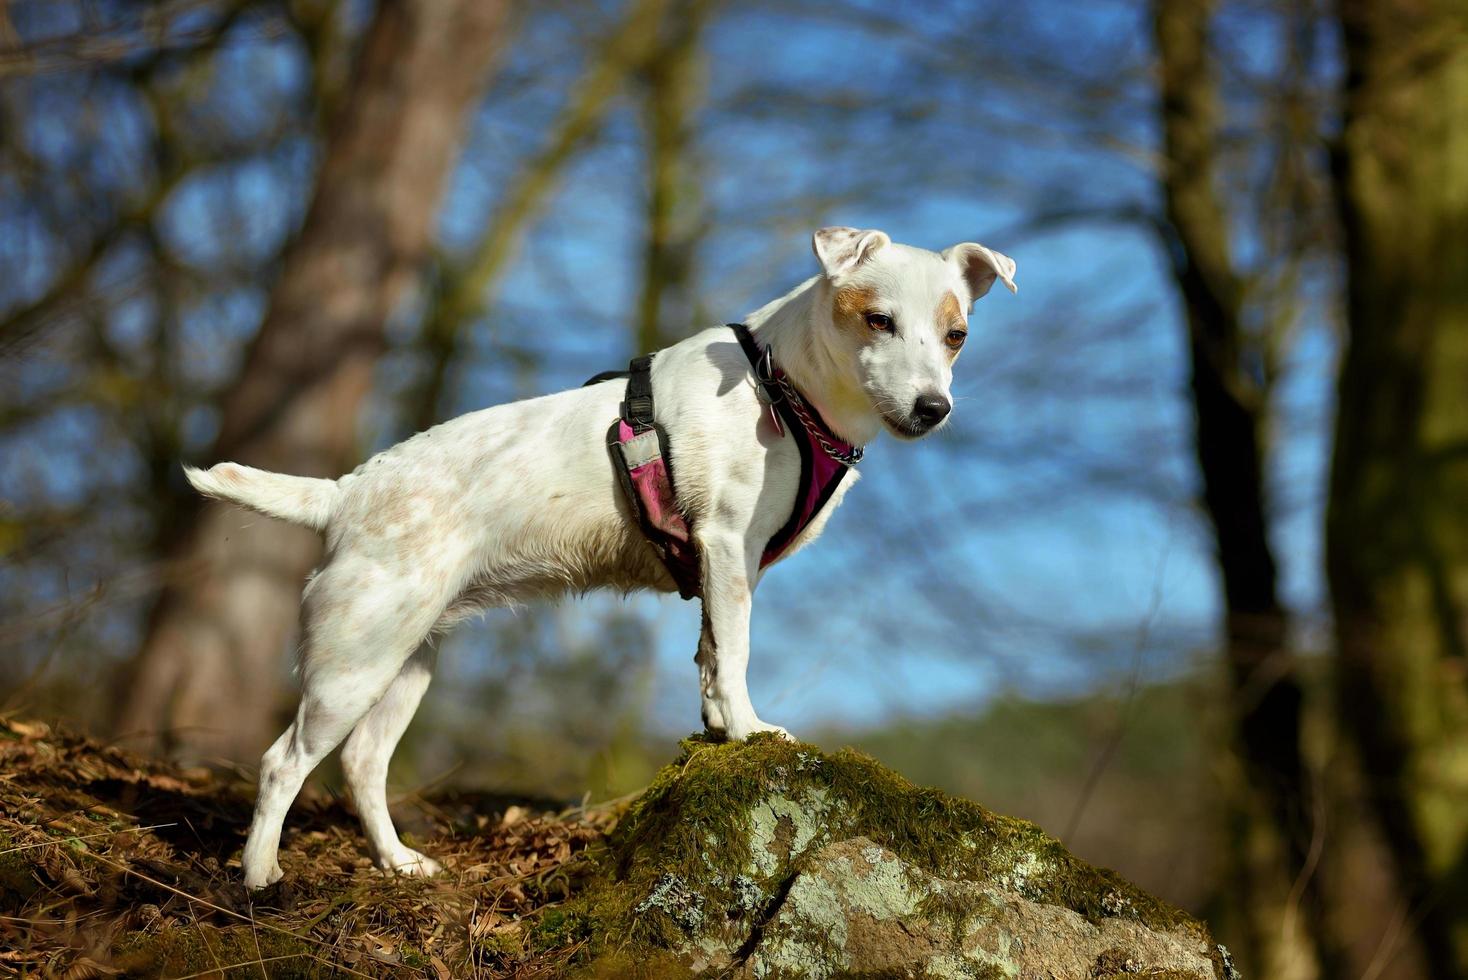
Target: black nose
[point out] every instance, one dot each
(931, 409)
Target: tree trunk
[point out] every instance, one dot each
(1397, 521)
(209, 670)
(1271, 813)
(672, 89)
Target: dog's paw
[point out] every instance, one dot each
(758, 727)
(255, 882)
(409, 862)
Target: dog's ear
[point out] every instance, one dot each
(843, 249)
(980, 266)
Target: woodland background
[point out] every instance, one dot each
(1186, 580)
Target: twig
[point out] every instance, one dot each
(255, 938)
(1387, 947)
(63, 840)
(204, 938)
(585, 808)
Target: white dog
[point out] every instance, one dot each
(521, 501)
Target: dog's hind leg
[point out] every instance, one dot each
(355, 645)
(365, 759)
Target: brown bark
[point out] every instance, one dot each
(1272, 813)
(1397, 520)
(210, 666)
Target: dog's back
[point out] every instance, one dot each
(496, 506)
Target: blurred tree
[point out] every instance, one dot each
(1397, 523)
(208, 671)
(672, 86)
(126, 297)
(1273, 834)
(469, 288)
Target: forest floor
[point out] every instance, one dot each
(112, 864)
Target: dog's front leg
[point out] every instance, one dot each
(729, 572)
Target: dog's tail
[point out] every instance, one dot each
(298, 499)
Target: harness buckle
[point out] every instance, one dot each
(637, 410)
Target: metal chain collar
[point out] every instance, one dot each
(797, 404)
(768, 379)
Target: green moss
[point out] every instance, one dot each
(17, 880)
(238, 950)
(626, 964)
(559, 929)
(504, 947)
(413, 957)
(733, 820)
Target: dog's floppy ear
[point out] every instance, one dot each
(980, 267)
(843, 249)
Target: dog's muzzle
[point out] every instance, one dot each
(930, 409)
(927, 413)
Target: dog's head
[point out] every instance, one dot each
(899, 317)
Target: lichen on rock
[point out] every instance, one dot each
(770, 859)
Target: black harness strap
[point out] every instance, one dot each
(679, 556)
(601, 376)
(760, 362)
(637, 403)
(637, 464)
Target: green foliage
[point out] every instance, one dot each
(1165, 730)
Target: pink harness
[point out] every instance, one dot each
(644, 463)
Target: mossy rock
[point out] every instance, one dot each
(771, 859)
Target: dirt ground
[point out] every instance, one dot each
(116, 865)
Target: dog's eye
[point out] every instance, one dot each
(955, 339)
(879, 321)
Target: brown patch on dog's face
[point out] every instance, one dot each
(950, 313)
(950, 319)
(850, 307)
